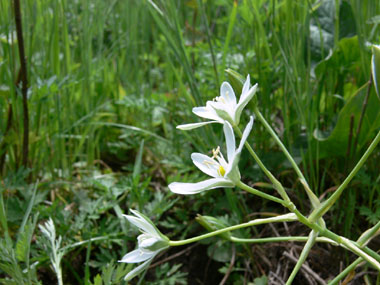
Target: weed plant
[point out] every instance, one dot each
(108, 82)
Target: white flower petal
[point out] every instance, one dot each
(145, 241)
(206, 112)
(230, 141)
(246, 132)
(215, 105)
(223, 111)
(194, 188)
(137, 256)
(142, 222)
(138, 222)
(243, 101)
(247, 95)
(186, 127)
(206, 164)
(246, 85)
(232, 171)
(228, 94)
(137, 270)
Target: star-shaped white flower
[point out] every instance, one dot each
(223, 108)
(150, 243)
(224, 173)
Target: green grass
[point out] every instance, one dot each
(110, 80)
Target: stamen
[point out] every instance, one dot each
(221, 99)
(215, 152)
(209, 164)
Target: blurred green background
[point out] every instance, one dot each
(110, 80)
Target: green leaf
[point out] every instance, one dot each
(98, 280)
(345, 57)
(347, 27)
(323, 26)
(322, 29)
(4, 91)
(22, 244)
(336, 143)
(263, 280)
(137, 167)
(375, 67)
(371, 216)
(8, 282)
(220, 251)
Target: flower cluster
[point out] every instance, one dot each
(223, 108)
(150, 243)
(224, 173)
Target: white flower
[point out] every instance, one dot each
(224, 173)
(150, 243)
(224, 107)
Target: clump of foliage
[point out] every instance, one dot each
(108, 82)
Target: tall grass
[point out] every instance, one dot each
(106, 76)
(85, 56)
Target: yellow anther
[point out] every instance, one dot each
(221, 171)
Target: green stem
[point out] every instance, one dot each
(260, 193)
(369, 255)
(279, 239)
(287, 204)
(314, 199)
(3, 221)
(364, 238)
(305, 252)
(279, 142)
(349, 244)
(368, 234)
(282, 218)
(277, 185)
(325, 206)
(368, 251)
(364, 254)
(348, 269)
